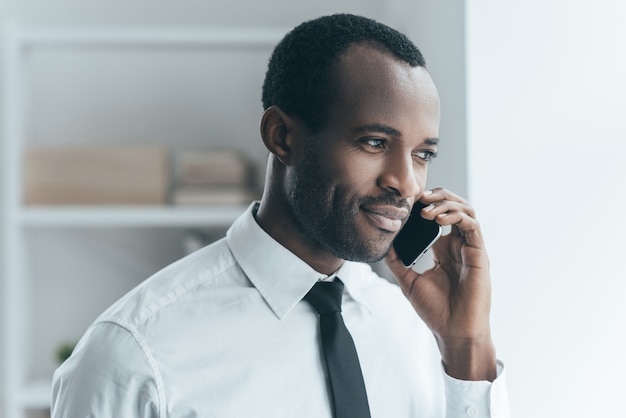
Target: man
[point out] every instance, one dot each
(351, 122)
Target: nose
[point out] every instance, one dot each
(401, 176)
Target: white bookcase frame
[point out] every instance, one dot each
(19, 394)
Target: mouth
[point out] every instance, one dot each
(386, 217)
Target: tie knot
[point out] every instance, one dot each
(325, 297)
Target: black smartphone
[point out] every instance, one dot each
(416, 236)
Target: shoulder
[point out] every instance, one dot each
(110, 373)
(186, 278)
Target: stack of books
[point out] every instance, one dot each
(213, 177)
(95, 175)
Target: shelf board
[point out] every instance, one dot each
(36, 395)
(129, 216)
(146, 37)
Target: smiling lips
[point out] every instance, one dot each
(388, 218)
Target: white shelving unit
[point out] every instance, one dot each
(20, 394)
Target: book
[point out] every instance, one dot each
(194, 195)
(95, 175)
(217, 167)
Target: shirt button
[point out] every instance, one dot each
(471, 411)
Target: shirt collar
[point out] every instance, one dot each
(353, 277)
(279, 275)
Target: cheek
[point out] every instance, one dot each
(421, 175)
(355, 173)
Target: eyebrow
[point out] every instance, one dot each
(385, 129)
(378, 127)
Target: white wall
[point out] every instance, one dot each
(438, 27)
(546, 112)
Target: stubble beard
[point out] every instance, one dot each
(325, 214)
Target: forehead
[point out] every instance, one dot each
(374, 85)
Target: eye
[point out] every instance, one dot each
(375, 142)
(426, 155)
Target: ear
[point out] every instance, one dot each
(277, 133)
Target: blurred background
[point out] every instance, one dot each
(533, 102)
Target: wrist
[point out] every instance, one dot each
(469, 359)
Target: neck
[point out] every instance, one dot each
(280, 225)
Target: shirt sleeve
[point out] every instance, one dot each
(110, 374)
(477, 399)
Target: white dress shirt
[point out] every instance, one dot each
(224, 332)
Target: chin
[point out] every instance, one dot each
(366, 250)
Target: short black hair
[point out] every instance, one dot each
(300, 77)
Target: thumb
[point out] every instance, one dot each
(405, 276)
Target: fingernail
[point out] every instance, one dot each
(429, 208)
(428, 192)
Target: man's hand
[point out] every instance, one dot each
(454, 297)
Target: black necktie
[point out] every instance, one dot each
(346, 379)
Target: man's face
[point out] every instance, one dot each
(355, 181)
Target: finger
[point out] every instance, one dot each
(438, 193)
(436, 208)
(466, 225)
